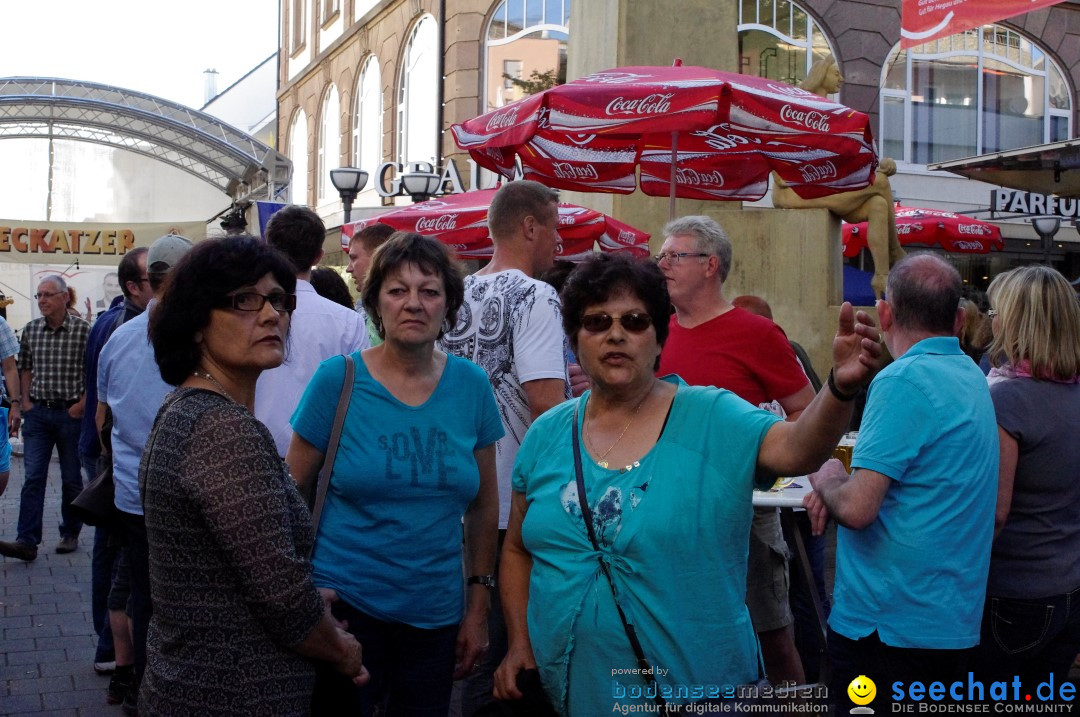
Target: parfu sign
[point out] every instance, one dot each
(1014, 201)
(925, 20)
(27, 242)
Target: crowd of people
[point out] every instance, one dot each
(327, 508)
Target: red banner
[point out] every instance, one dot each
(925, 20)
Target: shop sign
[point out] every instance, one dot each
(1018, 202)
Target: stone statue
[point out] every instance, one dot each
(873, 205)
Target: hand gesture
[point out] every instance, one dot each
(856, 349)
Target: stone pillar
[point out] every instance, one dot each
(617, 33)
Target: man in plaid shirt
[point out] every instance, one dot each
(51, 370)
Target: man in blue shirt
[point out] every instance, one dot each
(136, 290)
(917, 513)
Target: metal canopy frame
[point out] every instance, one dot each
(1042, 169)
(202, 145)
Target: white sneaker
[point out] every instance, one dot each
(105, 668)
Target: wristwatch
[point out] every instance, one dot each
(487, 581)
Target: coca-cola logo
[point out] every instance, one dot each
(542, 119)
(566, 170)
(968, 245)
(818, 172)
(441, 223)
(905, 229)
(614, 78)
(789, 90)
(501, 120)
(625, 237)
(654, 104)
(975, 229)
(567, 220)
(695, 178)
(721, 137)
(811, 119)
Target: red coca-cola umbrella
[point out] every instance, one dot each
(694, 132)
(952, 232)
(460, 221)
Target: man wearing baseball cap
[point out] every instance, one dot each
(130, 387)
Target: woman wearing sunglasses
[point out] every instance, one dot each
(237, 621)
(666, 472)
(415, 465)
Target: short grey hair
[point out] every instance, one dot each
(709, 238)
(56, 279)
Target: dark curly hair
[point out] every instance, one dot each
(427, 253)
(196, 285)
(603, 276)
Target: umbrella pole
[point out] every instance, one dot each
(671, 190)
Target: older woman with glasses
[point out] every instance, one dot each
(237, 621)
(415, 464)
(1031, 619)
(634, 500)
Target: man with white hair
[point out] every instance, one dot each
(51, 360)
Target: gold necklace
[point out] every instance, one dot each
(602, 462)
(211, 379)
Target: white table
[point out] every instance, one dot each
(788, 500)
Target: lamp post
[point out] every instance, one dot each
(420, 185)
(348, 181)
(1046, 228)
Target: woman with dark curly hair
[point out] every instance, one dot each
(416, 460)
(659, 512)
(237, 620)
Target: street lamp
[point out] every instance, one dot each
(348, 181)
(1046, 228)
(421, 186)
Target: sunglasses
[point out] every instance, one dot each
(254, 301)
(635, 322)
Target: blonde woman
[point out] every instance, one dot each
(1031, 621)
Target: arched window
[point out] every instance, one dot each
(367, 119)
(983, 90)
(329, 142)
(778, 40)
(525, 49)
(418, 111)
(298, 136)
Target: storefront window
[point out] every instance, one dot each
(778, 40)
(525, 49)
(983, 90)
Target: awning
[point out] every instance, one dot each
(1043, 169)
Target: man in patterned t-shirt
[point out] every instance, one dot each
(511, 326)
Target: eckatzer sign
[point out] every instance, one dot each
(1015, 201)
(31, 242)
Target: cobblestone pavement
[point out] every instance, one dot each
(46, 632)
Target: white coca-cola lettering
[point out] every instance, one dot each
(542, 119)
(625, 237)
(441, 223)
(818, 172)
(975, 229)
(654, 104)
(969, 245)
(567, 220)
(501, 120)
(721, 137)
(694, 177)
(565, 170)
(905, 229)
(614, 78)
(811, 119)
(790, 91)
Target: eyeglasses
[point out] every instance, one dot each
(49, 295)
(991, 313)
(254, 301)
(635, 322)
(674, 257)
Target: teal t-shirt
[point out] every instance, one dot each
(390, 537)
(917, 574)
(675, 531)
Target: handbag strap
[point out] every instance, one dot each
(332, 446)
(586, 514)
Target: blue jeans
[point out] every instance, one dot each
(103, 562)
(42, 429)
(412, 670)
(1032, 638)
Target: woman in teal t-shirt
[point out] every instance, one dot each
(667, 474)
(416, 456)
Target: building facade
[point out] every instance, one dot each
(366, 82)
